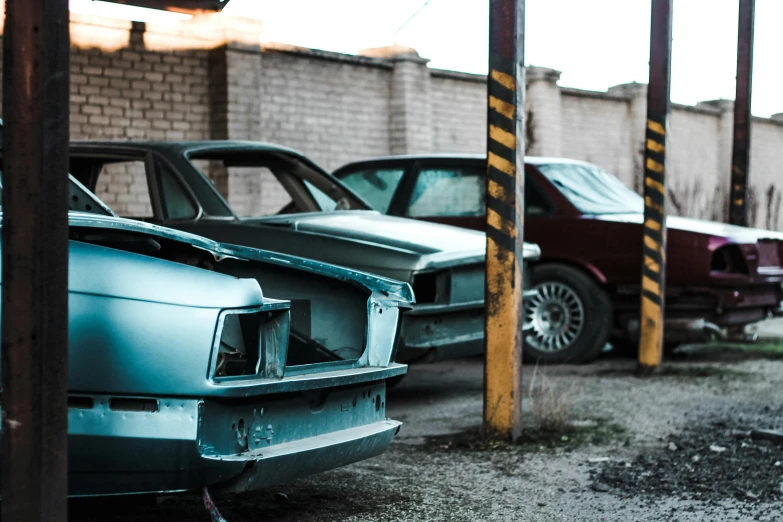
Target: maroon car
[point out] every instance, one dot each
(589, 227)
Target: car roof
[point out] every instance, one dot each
(531, 160)
(190, 146)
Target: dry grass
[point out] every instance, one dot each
(550, 403)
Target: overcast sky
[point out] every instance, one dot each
(595, 43)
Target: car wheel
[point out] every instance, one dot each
(570, 319)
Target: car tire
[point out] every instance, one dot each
(571, 319)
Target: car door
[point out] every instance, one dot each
(381, 185)
(120, 179)
(451, 192)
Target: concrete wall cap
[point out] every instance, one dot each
(394, 53)
(535, 74)
(721, 104)
(629, 90)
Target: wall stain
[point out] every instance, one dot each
(773, 207)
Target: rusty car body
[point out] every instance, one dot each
(184, 374)
(589, 226)
(301, 210)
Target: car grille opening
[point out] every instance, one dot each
(239, 345)
(425, 287)
(252, 343)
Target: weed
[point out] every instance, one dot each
(550, 404)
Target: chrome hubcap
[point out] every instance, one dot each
(554, 318)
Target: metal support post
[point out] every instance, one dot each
(740, 154)
(36, 73)
(505, 213)
(654, 236)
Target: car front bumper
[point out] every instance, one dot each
(236, 444)
(440, 332)
(695, 313)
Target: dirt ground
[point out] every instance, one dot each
(676, 446)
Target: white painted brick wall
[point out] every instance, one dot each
(697, 186)
(331, 111)
(588, 137)
(459, 114)
(136, 93)
(339, 108)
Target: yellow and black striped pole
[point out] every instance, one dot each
(505, 211)
(654, 239)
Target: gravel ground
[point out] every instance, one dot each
(635, 449)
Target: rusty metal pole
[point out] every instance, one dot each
(35, 261)
(654, 237)
(505, 213)
(740, 154)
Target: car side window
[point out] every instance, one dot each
(535, 202)
(448, 192)
(326, 203)
(122, 185)
(173, 198)
(376, 186)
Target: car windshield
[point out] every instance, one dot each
(272, 183)
(591, 189)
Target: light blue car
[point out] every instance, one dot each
(195, 364)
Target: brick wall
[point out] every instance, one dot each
(692, 148)
(586, 135)
(123, 186)
(131, 91)
(459, 115)
(210, 77)
(332, 109)
(765, 192)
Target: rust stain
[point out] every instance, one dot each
(651, 343)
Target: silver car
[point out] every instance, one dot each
(183, 374)
(301, 210)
